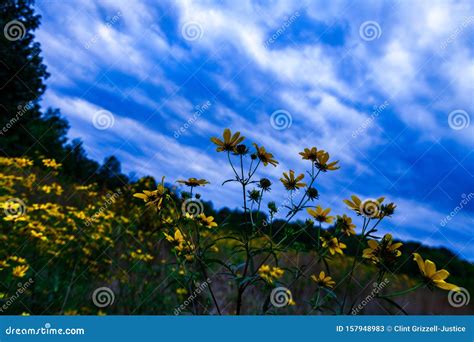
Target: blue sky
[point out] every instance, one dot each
(385, 87)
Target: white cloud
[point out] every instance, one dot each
(403, 66)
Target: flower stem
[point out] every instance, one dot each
(400, 293)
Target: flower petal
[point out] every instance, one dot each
(419, 260)
(430, 268)
(440, 275)
(227, 135)
(372, 244)
(445, 286)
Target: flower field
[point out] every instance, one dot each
(148, 248)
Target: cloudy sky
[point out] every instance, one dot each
(385, 87)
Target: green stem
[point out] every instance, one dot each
(232, 165)
(319, 235)
(364, 227)
(400, 293)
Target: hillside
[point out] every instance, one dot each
(63, 240)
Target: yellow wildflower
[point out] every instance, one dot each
(344, 223)
(208, 221)
(433, 277)
(322, 162)
(323, 280)
(20, 271)
(229, 142)
(193, 182)
(181, 291)
(290, 182)
(333, 245)
(264, 156)
(320, 214)
(369, 208)
(153, 198)
(384, 252)
(310, 154)
(51, 163)
(269, 273)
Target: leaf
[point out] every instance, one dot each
(229, 180)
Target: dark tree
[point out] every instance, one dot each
(22, 76)
(77, 165)
(24, 129)
(110, 173)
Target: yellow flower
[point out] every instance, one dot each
(269, 273)
(322, 162)
(276, 272)
(433, 277)
(264, 156)
(384, 252)
(193, 182)
(20, 271)
(183, 247)
(344, 223)
(23, 162)
(320, 214)
(333, 245)
(51, 163)
(310, 154)
(181, 291)
(230, 141)
(71, 312)
(38, 235)
(292, 183)
(53, 187)
(18, 162)
(369, 208)
(323, 280)
(207, 221)
(155, 197)
(178, 237)
(17, 259)
(3, 264)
